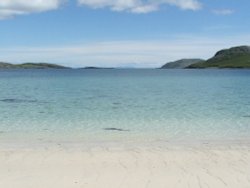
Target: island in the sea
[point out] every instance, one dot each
(4, 65)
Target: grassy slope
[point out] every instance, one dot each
(180, 64)
(236, 61)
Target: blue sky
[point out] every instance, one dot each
(123, 33)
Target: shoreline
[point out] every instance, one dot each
(17, 144)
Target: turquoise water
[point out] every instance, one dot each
(145, 104)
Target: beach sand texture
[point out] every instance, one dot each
(103, 167)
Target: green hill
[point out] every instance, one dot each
(236, 57)
(5, 65)
(30, 66)
(180, 64)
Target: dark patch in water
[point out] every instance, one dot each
(115, 129)
(116, 105)
(18, 101)
(88, 98)
(102, 96)
(220, 108)
(246, 116)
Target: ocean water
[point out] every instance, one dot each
(124, 105)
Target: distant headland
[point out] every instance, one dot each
(235, 57)
(181, 64)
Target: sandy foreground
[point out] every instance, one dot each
(125, 167)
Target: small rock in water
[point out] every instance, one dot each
(18, 101)
(115, 129)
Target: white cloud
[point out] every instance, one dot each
(123, 53)
(9, 8)
(185, 4)
(144, 9)
(223, 11)
(140, 6)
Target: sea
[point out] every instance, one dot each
(124, 105)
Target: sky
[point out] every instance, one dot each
(120, 33)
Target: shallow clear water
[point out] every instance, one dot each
(147, 104)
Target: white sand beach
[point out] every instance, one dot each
(125, 167)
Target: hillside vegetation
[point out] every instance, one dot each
(180, 64)
(236, 57)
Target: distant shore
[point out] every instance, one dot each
(233, 58)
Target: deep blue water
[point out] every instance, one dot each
(147, 104)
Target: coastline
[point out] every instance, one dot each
(125, 165)
(167, 131)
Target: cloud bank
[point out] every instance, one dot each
(10, 8)
(140, 6)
